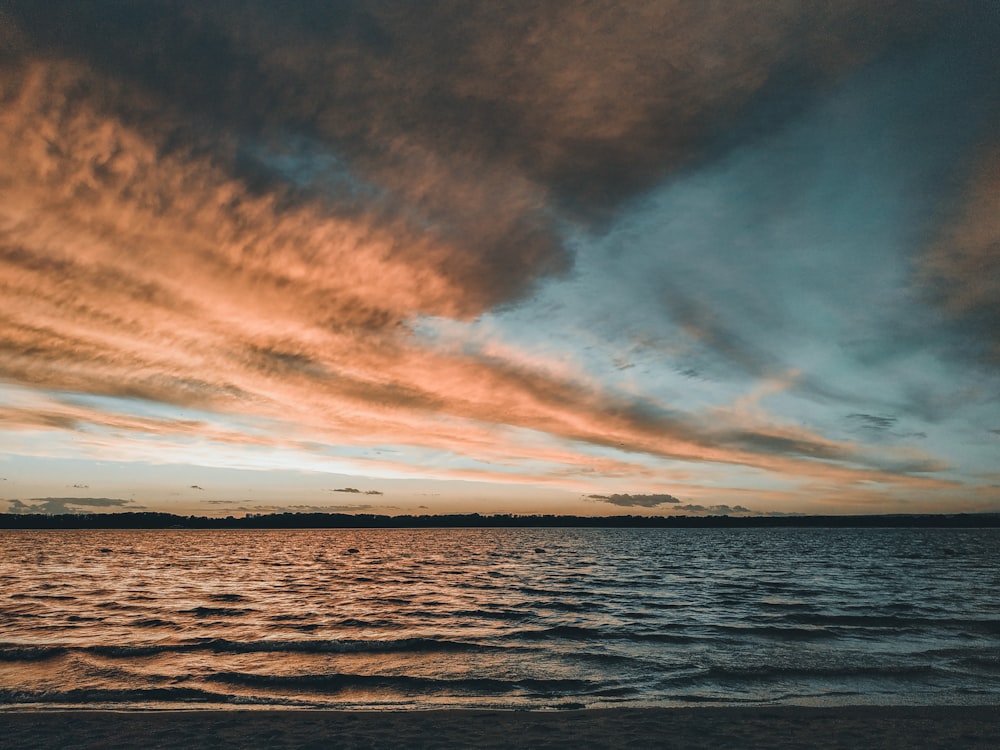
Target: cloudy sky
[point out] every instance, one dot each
(563, 256)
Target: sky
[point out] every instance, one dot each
(582, 257)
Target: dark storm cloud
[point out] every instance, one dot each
(635, 501)
(268, 91)
(468, 121)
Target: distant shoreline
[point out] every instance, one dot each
(475, 520)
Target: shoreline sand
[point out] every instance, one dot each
(952, 727)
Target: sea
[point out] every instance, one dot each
(498, 618)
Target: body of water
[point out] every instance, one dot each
(515, 618)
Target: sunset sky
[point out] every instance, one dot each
(557, 257)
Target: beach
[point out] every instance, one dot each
(966, 727)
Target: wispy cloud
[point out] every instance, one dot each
(873, 421)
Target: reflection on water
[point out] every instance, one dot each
(499, 617)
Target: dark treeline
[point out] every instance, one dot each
(475, 520)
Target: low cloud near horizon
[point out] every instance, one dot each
(60, 505)
(635, 501)
(717, 510)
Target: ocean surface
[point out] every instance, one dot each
(510, 618)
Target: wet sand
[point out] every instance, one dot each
(965, 727)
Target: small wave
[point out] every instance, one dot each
(682, 698)
(336, 682)
(357, 622)
(534, 591)
(11, 652)
(45, 597)
(659, 638)
(562, 605)
(153, 622)
(616, 662)
(227, 598)
(570, 632)
(501, 615)
(128, 696)
(989, 663)
(897, 622)
(668, 604)
(579, 633)
(986, 627)
(864, 621)
(615, 692)
(218, 612)
(15, 652)
(346, 646)
(772, 672)
(776, 631)
(9, 612)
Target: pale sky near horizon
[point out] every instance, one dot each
(555, 257)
